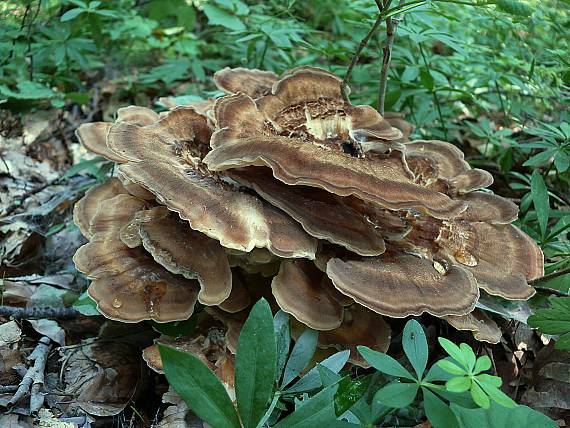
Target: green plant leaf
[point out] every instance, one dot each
(469, 356)
(255, 364)
(540, 199)
(317, 411)
(496, 394)
(554, 320)
(349, 392)
(85, 305)
(491, 380)
(451, 367)
(328, 377)
(514, 7)
(498, 416)
(454, 351)
(218, 16)
(301, 354)
(415, 346)
(198, 387)
(283, 341)
(437, 412)
(479, 396)
(384, 363)
(312, 380)
(458, 384)
(397, 394)
(483, 364)
(71, 14)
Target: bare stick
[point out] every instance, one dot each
(356, 57)
(549, 276)
(28, 313)
(552, 291)
(34, 376)
(391, 27)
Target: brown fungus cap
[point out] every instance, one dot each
(301, 290)
(239, 298)
(166, 159)
(489, 208)
(360, 326)
(137, 115)
(400, 285)
(441, 166)
(252, 82)
(246, 138)
(484, 328)
(182, 251)
(507, 258)
(322, 214)
(93, 137)
(86, 208)
(127, 284)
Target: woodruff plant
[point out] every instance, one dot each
(271, 392)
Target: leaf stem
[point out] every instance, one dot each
(391, 27)
(267, 414)
(356, 56)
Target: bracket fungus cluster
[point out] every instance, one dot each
(283, 189)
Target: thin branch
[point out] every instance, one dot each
(549, 276)
(34, 377)
(552, 291)
(391, 27)
(356, 57)
(29, 313)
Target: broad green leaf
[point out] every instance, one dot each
(85, 305)
(483, 364)
(454, 351)
(437, 412)
(71, 14)
(198, 387)
(415, 346)
(479, 396)
(437, 373)
(27, 90)
(458, 384)
(469, 355)
(328, 377)
(311, 380)
(451, 367)
(301, 355)
(218, 16)
(491, 380)
(283, 341)
(255, 364)
(349, 392)
(317, 411)
(397, 394)
(514, 7)
(540, 199)
(384, 363)
(498, 416)
(496, 394)
(554, 320)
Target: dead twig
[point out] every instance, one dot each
(391, 27)
(28, 194)
(30, 313)
(356, 57)
(552, 291)
(549, 276)
(34, 377)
